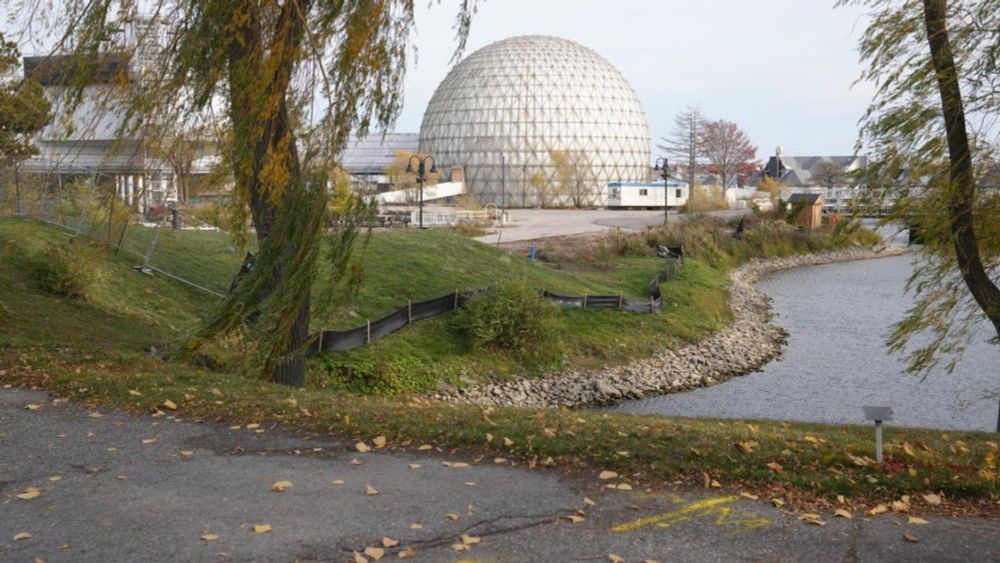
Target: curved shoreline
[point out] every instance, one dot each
(744, 346)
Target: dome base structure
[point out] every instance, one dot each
(538, 121)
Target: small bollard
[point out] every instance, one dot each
(532, 253)
(878, 415)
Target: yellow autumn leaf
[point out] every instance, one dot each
(878, 509)
(471, 540)
(843, 513)
(916, 520)
(452, 516)
(499, 460)
(588, 502)
(747, 446)
(425, 447)
(358, 558)
(29, 493)
(932, 499)
(209, 537)
(489, 437)
(454, 464)
(134, 393)
(908, 449)
(22, 536)
(407, 553)
(775, 466)
(508, 442)
(379, 441)
(615, 558)
(749, 496)
(607, 475)
(375, 553)
(362, 447)
(460, 547)
(261, 528)
(33, 407)
(911, 538)
(337, 482)
(168, 404)
(389, 542)
(148, 440)
(281, 486)
(370, 490)
(416, 526)
(575, 519)
(253, 426)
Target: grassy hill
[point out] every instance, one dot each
(128, 311)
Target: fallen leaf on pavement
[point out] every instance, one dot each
(575, 519)
(814, 519)
(414, 466)
(389, 542)
(624, 487)
(148, 440)
(607, 475)
(460, 547)
(407, 553)
(499, 460)
(916, 520)
(261, 528)
(471, 540)
(168, 404)
(416, 526)
(186, 453)
(55, 478)
(843, 513)
(362, 447)
(875, 511)
(932, 499)
(911, 538)
(452, 516)
(337, 481)
(280, 486)
(454, 464)
(355, 461)
(33, 407)
(375, 553)
(588, 502)
(22, 536)
(425, 447)
(379, 441)
(358, 558)
(29, 493)
(253, 426)
(615, 558)
(749, 496)
(370, 490)
(209, 537)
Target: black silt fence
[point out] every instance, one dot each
(340, 340)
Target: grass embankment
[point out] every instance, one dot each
(93, 351)
(135, 311)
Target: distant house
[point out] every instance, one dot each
(836, 178)
(811, 215)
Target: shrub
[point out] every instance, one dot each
(68, 268)
(510, 316)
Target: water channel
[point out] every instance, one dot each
(835, 362)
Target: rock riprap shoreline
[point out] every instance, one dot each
(745, 345)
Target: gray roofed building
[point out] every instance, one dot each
(799, 171)
(371, 155)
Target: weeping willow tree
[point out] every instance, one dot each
(932, 129)
(290, 80)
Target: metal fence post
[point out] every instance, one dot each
(369, 338)
(621, 301)
(584, 300)
(320, 341)
(409, 311)
(455, 306)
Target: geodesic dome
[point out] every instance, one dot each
(537, 121)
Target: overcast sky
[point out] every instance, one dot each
(782, 69)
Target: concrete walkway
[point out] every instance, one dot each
(106, 486)
(530, 224)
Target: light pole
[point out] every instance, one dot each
(421, 178)
(661, 166)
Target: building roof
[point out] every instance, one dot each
(374, 153)
(63, 70)
(811, 199)
(802, 170)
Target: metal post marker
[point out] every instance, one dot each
(878, 415)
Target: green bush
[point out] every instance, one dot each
(510, 316)
(68, 268)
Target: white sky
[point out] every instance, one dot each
(782, 69)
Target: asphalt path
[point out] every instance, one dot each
(106, 486)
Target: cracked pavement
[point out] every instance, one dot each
(117, 488)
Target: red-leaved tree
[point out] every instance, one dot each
(727, 150)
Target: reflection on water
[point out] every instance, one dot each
(838, 316)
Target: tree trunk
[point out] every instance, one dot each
(962, 192)
(255, 138)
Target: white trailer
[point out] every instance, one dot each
(647, 195)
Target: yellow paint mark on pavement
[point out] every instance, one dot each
(715, 506)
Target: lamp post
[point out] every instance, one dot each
(422, 171)
(661, 166)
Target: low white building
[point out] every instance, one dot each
(647, 195)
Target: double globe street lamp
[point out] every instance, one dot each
(422, 171)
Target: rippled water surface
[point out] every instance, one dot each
(835, 361)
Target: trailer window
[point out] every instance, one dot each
(643, 191)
